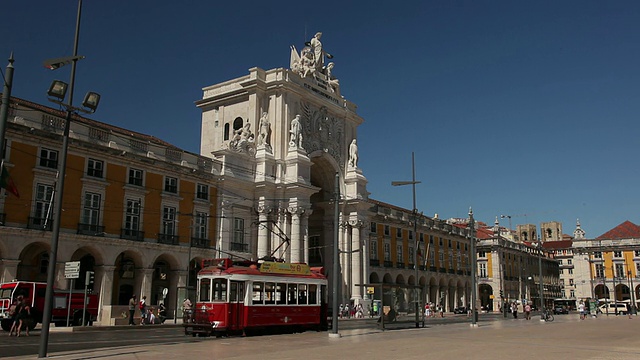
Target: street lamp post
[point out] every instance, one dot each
(59, 90)
(540, 280)
(474, 265)
(413, 183)
(4, 107)
(336, 261)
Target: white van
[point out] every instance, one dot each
(622, 308)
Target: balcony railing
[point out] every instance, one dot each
(400, 265)
(3, 216)
(90, 229)
(442, 270)
(374, 262)
(200, 243)
(130, 234)
(432, 268)
(241, 247)
(388, 263)
(423, 268)
(38, 223)
(168, 239)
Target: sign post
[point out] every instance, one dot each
(72, 272)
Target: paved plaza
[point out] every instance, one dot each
(566, 338)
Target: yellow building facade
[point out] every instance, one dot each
(136, 210)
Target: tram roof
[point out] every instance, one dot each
(289, 270)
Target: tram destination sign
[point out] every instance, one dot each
(268, 267)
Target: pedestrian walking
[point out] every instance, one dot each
(514, 310)
(186, 310)
(132, 308)
(527, 311)
(143, 309)
(629, 311)
(22, 319)
(581, 310)
(441, 310)
(13, 314)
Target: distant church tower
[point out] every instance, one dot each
(578, 233)
(551, 231)
(527, 232)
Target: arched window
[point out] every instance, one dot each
(226, 131)
(161, 270)
(44, 262)
(237, 123)
(127, 269)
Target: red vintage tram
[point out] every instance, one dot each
(238, 297)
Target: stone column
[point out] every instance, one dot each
(9, 270)
(104, 277)
(277, 242)
(296, 240)
(304, 225)
(60, 281)
(343, 258)
(357, 260)
(146, 281)
(224, 227)
(364, 257)
(263, 231)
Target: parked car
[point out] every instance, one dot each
(560, 310)
(612, 307)
(460, 310)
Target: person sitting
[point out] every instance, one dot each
(162, 313)
(151, 317)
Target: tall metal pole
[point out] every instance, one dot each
(633, 292)
(474, 278)
(413, 182)
(6, 98)
(336, 265)
(415, 236)
(615, 295)
(51, 270)
(541, 281)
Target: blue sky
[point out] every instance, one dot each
(519, 108)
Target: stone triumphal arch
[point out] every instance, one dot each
(283, 139)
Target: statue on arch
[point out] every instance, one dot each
(296, 132)
(310, 61)
(264, 130)
(353, 154)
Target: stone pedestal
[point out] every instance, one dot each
(298, 166)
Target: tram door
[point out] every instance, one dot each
(236, 305)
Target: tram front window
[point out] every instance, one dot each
(205, 289)
(219, 289)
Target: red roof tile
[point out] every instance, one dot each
(626, 230)
(554, 245)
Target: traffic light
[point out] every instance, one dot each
(501, 294)
(89, 278)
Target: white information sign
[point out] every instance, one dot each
(72, 270)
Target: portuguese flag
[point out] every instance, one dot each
(7, 182)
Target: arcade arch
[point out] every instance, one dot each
(34, 262)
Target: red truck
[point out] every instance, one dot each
(34, 294)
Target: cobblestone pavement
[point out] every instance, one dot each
(566, 338)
